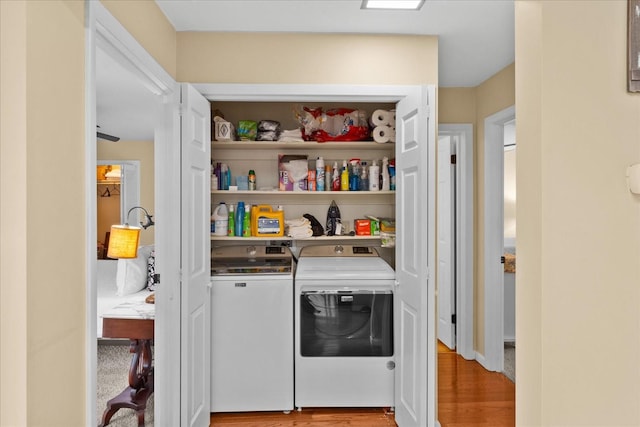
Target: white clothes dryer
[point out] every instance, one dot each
(344, 347)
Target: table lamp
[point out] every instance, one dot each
(123, 240)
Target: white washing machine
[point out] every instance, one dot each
(344, 347)
(252, 329)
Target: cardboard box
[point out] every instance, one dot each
(362, 227)
(223, 131)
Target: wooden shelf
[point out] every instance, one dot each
(330, 145)
(286, 238)
(305, 193)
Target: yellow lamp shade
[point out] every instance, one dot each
(123, 241)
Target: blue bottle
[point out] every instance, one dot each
(239, 219)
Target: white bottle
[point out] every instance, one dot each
(221, 219)
(374, 177)
(385, 174)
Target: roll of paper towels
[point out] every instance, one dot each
(380, 118)
(392, 119)
(392, 134)
(382, 134)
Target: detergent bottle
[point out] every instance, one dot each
(246, 223)
(239, 219)
(220, 219)
(231, 228)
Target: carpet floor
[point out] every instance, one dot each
(510, 361)
(113, 377)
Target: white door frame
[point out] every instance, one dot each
(102, 29)
(462, 135)
(493, 359)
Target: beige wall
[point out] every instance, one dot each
(474, 105)
(150, 27)
(43, 220)
(306, 58)
(142, 151)
(457, 105)
(578, 225)
(43, 217)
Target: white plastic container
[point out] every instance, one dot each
(221, 218)
(374, 177)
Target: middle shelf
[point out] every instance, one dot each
(303, 193)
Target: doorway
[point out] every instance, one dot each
(458, 285)
(118, 190)
(107, 37)
(494, 244)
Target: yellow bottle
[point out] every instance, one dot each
(344, 177)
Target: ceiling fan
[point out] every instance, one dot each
(107, 137)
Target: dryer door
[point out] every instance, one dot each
(346, 323)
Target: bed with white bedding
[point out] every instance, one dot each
(123, 287)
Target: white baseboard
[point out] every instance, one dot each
(481, 360)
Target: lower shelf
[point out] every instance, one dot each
(287, 238)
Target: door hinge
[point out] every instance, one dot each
(454, 159)
(156, 278)
(453, 319)
(502, 260)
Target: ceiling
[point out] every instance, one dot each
(475, 40)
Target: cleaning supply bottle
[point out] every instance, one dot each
(246, 223)
(214, 177)
(354, 175)
(252, 180)
(344, 177)
(374, 177)
(364, 178)
(320, 180)
(335, 182)
(220, 218)
(224, 185)
(239, 219)
(327, 178)
(385, 174)
(231, 227)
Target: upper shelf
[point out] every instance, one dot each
(330, 145)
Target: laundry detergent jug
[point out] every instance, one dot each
(221, 219)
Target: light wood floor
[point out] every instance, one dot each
(468, 395)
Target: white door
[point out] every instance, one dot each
(414, 317)
(195, 259)
(446, 243)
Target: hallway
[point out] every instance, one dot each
(469, 395)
